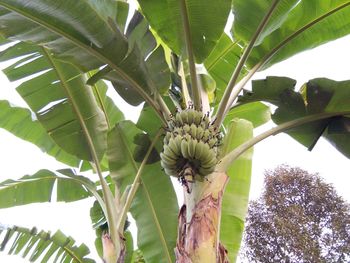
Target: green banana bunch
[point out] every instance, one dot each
(190, 142)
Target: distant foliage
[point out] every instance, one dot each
(299, 218)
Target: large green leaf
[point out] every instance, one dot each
(58, 96)
(111, 112)
(42, 246)
(316, 96)
(236, 196)
(62, 27)
(207, 20)
(221, 63)
(99, 224)
(65, 29)
(154, 206)
(257, 113)
(141, 39)
(148, 121)
(20, 123)
(39, 187)
(249, 13)
(294, 26)
(309, 24)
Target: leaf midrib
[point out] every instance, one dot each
(222, 54)
(160, 232)
(87, 48)
(300, 31)
(107, 203)
(103, 107)
(21, 181)
(37, 235)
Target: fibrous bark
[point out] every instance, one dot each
(199, 222)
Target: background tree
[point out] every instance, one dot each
(298, 218)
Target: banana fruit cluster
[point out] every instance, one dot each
(190, 143)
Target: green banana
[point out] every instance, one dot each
(190, 115)
(205, 171)
(199, 133)
(174, 146)
(209, 163)
(193, 130)
(197, 118)
(186, 128)
(206, 136)
(168, 152)
(208, 156)
(184, 149)
(190, 146)
(167, 137)
(184, 116)
(167, 159)
(179, 121)
(201, 149)
(212, 142)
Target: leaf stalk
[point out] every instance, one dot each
(107, 194)
(228, 159)
(189, 48)
(229, 92)
(135, 185)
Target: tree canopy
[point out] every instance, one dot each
(298, 218)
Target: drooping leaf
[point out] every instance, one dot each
(295, 26)
(65, 107)
(39, 187)
(64, 28)
(316, 96)
(236, 195)
(42, 246)
(165, 18)
(307, 25)
(142, 46)
(154, 207)
(20, 123)
(139, 35)
(158, 69)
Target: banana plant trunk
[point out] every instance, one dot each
(199, 222)
(113, 253)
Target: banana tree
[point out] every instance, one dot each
(196, 125)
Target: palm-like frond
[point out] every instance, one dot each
(62, 28)
(41, 246)
(39, 187)
(57, 94)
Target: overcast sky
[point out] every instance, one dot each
(19, 158)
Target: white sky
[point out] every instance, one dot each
(19, 158)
